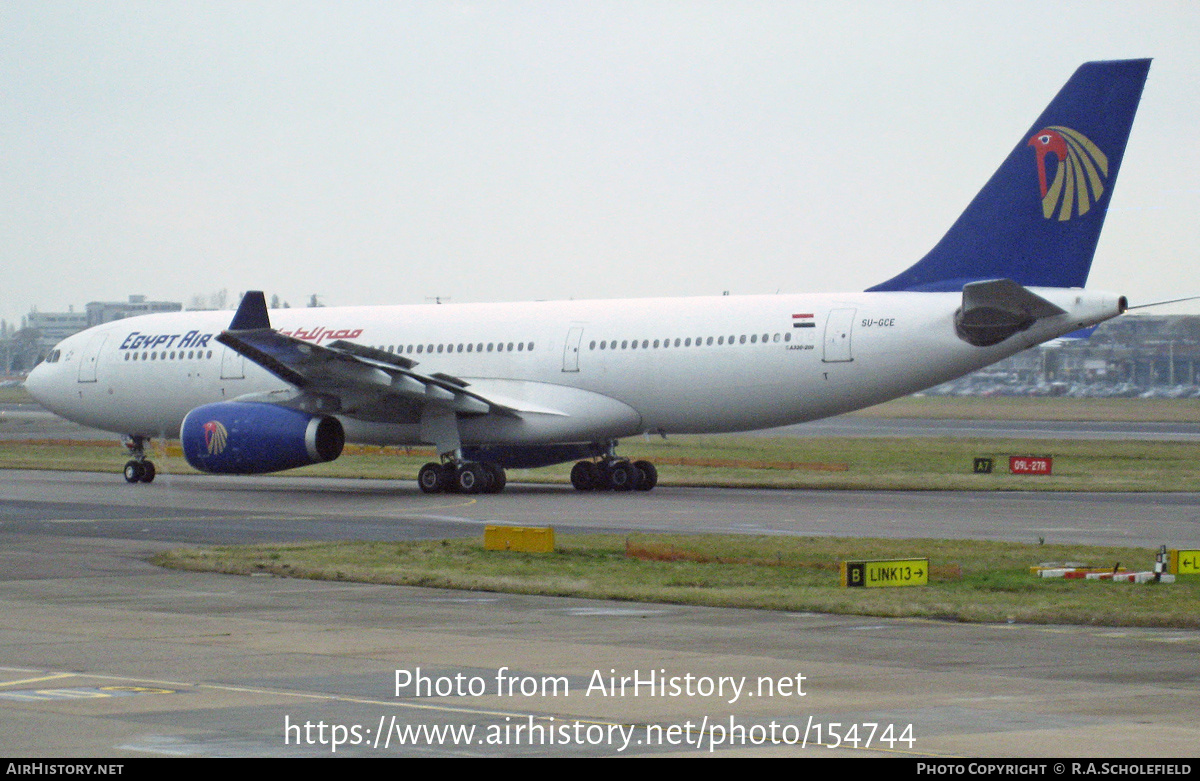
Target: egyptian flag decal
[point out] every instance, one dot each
(803, 321)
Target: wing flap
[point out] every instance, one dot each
(351, 372)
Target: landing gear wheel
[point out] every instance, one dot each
(431, 478)
(585, 476)
(622, 476)
(148, 472)
(496, 478)
(470, 478)
(647, 476)
(134, 472)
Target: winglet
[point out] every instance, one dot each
(252, 313)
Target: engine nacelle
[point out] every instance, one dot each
(246, 438)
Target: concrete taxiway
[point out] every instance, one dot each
(103, 654)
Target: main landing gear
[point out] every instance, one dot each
(615, 474)
(464, 477)
(138, 469)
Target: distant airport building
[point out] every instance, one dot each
(1140, 355)
(40, 331)
(106, 311)
(56, 326)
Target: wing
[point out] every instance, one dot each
(347, 378)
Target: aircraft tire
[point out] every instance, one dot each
(496, 478)
(134, 471)
(432, 478)
(148, 472)
(470, 478)
(647, 476)
(585, 476)
(622, 476)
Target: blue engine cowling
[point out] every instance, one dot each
(246, 438)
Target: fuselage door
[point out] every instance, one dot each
(571, 349)
(90, 357)
(839, 327)
(233, 365)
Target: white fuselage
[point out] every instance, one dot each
(575, 370)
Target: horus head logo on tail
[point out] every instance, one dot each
(215, 437)
(1081, 169)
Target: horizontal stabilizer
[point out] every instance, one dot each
(994, 310)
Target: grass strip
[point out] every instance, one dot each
(916, 463)
(1037, 408)
(970, 580)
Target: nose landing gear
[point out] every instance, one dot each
(138, 469)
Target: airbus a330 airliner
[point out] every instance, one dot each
(495, 386)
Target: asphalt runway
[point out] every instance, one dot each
(103, 654)
(218, 509)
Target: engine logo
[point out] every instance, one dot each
(215, 437)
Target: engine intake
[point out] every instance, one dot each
(248, 438)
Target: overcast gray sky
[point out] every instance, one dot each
(384, 152)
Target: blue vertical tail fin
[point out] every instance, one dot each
(1038, 219)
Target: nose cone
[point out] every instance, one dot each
(37, 383)
(46, 385)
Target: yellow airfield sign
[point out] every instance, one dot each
(885, 573)
(1183, 562)
(529, 539)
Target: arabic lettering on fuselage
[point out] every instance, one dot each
(319, 334)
